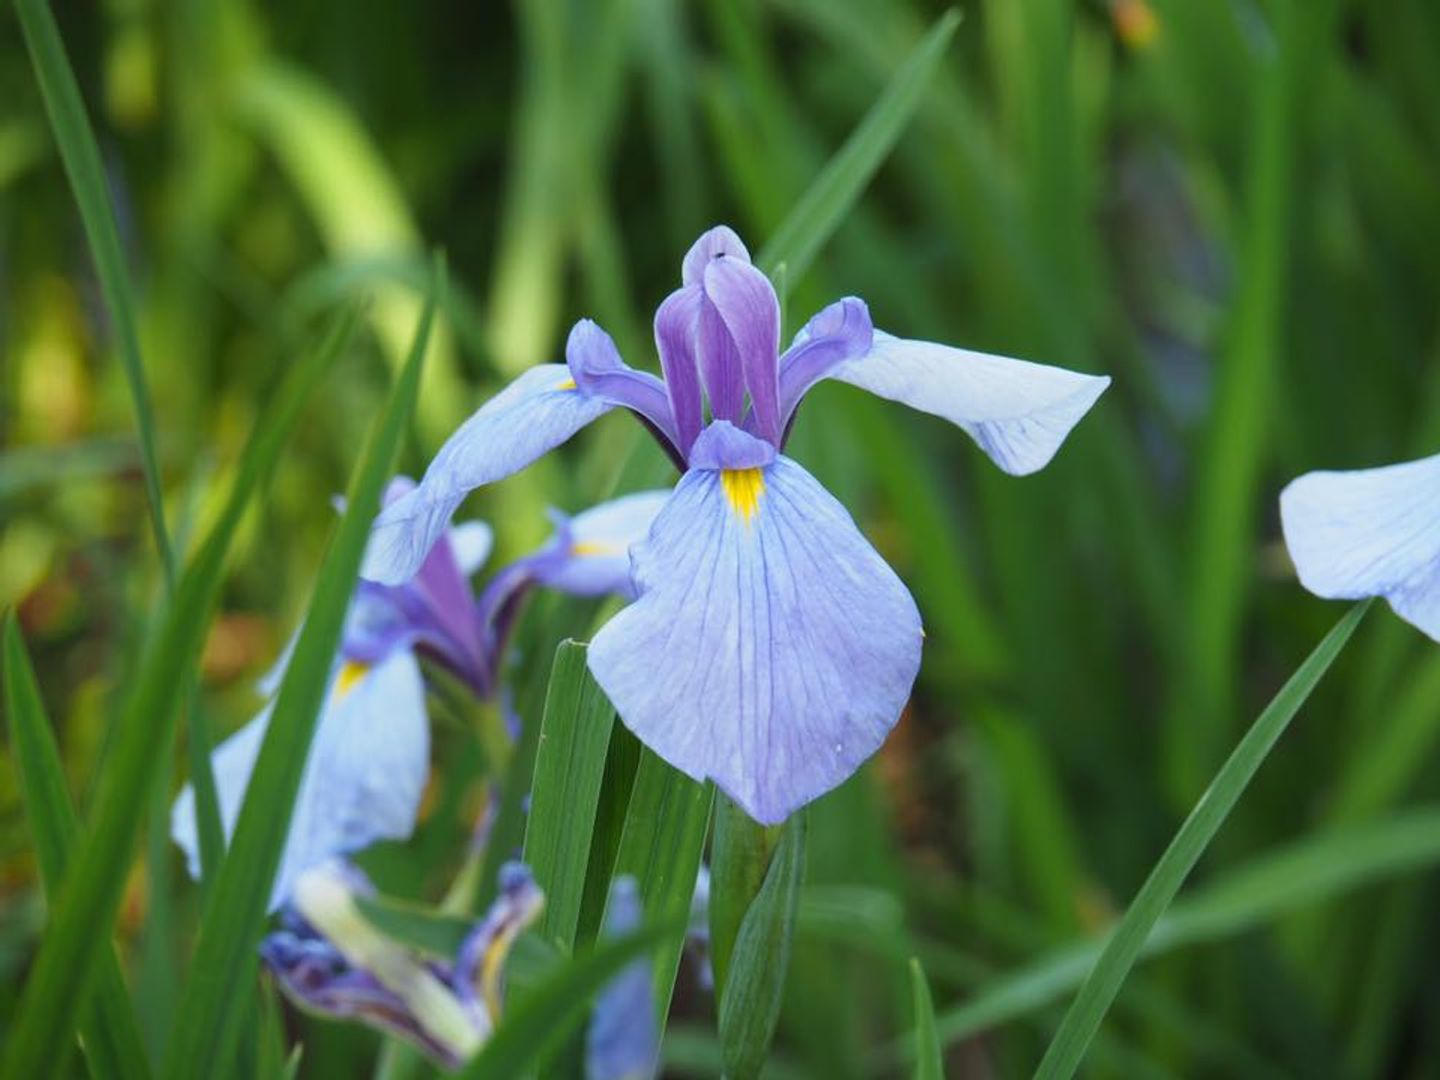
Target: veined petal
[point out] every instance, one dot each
(677, 322)
(533, 415)
(1017, 411)
(597, 546)
(750, 311)
(1371, 532)
(363, 778)
(712, 244)
(771, 647)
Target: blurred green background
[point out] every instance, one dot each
(1232, 207)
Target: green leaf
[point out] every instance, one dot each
(78, 150)
(1125, 944)
(661, 848)
(540, 1023)
(928, 1063)
(750, 1003)
(108, 1028)
(569, 767)
(422, 928)
(203, 1038)
(827, 201)
(621, 763)
(740, 856)
(85, 909)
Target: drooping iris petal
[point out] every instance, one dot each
(676, 323)
(1372, 532)
(623, 1039)
(771, 647)
(598, 370)
(750, 311)
(362, 781)
(712, 244)
(597, 546)
(1017, 411)
(533, 415)
(842, 331)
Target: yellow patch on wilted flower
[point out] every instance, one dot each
(743, 488)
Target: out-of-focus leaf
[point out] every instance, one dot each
(928, 1064)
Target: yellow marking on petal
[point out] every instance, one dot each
(499, 948)
(743, 488)
(568, 384)
(351, 672)
(595, 547)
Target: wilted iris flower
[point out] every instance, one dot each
(1371, 532)
(770, 648)
(370, 754)
(328, 959)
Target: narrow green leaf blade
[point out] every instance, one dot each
(108, 1027)
(203, 1038)
(928, 1063)
(750, 1003)
(60, 978)
(821, 209)
(81, 156)
(661, 848)
(740, 856)
(541, 1022)
(569, 768)
(1125, 944)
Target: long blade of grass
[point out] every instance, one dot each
(825, 204)
(108, 1027)
(661, 847)
(928, 1062)
(1302, 875)
(203, 1038)
(569, 767)
(1125, 944)
(81, 156)
(86, 907)
(541, 1022)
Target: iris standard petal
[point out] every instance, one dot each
(840, 332)
(362, 781)
(750, 311)
(533, 415)
(1372, 532)
(771, 647)
(676, 324)
(1017, 411)
(597, 557)
(713, 243)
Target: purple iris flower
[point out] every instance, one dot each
(1370, 532)
(329, 960)
(370, 755)
(771, 648)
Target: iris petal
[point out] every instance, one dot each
(597, 561)
(362, 781)
(747, 304)
(533, 415)
(1372, 532)
(713, 243)
(676, 324)
(1017, 411)
(771, 651)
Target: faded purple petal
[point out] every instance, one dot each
(721, 241)
(771, 648)
(533, 415)
(747, 305)
(480, 965)
(676, 324)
